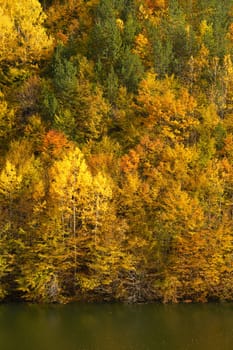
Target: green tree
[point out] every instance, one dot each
(111, 44)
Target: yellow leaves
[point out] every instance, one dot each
(7, 118)
(22, 157)
(77, 195)
(70, 19)
(143, 48)
(141, 42)
(120, 24)
(87, 283)
(228, 146)
(144, 12)
(7, 36)
(210, 184)
(177, 156)
(68, 175)
(228, 66)
(159, 3)
(39, 192)
(10, 181)
(6, 23)
(186, 102)
(166, 107)
(92, 108)
(102, 186)
(22, 34)
(210, 117)
(226, 169)
(150, 145)
(133, 183)
(200, 61)
(205, 29)
(180, 211)
(171, 289)
(152, 10)
(21, 179)
(148, 84)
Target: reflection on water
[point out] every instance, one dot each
(116, 327)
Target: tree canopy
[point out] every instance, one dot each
(116, 150)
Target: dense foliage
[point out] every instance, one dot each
(116, 150)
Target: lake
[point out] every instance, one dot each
(116, 327)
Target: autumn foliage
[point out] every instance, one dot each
(116, 150)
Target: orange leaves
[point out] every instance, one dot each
(230, 32)
(229, 146)
(62, 37)
(55, 143)
(129, 163)
(100, 161)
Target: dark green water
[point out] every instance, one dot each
(116, 327)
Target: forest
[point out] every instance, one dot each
(116, 150)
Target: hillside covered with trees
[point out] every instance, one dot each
(116, 150)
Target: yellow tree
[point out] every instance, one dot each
(20, 192)
(10, 184)
(23, 37)
(177, 223)
(180, 203)
(79, 248)
(7, 123)
(166, 108)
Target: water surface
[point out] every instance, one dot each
(116, 327)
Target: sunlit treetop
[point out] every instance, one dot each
(23, 37)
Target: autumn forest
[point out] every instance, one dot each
(116, 150)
